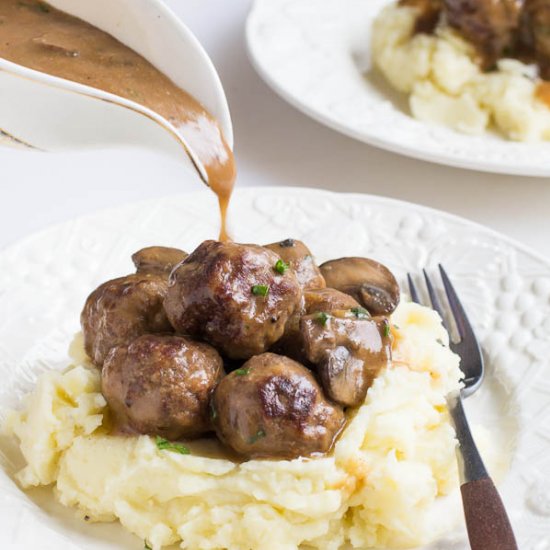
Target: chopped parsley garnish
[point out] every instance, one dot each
(165, 445)
(387, 329)
(281, 266)
(321, 317)
(146, 546)
(396, 327)
(360, 312)
(242, 372)
(258, 435)
(260, 290)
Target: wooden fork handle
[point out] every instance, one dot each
(486, 519)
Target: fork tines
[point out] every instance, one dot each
(467, 345)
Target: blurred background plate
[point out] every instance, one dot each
(316, 55)
(45, 279)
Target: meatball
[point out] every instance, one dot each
(231, 296)
(491, 25)
(535, 35)
(158, 259)
(349, 348)
(161, 385)
(322, 299)
(123, 309)
(298, 257)
(274, 408)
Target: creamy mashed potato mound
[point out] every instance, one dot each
(446, 86)
(380, 487)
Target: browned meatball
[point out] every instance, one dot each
(491, 25)
(161, 385)
(298, 257)
(123, 309)
(274, 408)
(322, 299)
(158, 259)
(535, 33)
(349, 348)
(231, 296)
(428, 13)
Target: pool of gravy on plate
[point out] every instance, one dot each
(40, 37)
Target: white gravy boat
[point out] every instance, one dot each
(43, 112)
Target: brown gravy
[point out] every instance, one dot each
(40, 37)
(542, 93)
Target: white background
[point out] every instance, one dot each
(275, 145)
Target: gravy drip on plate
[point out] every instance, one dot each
(40, 37)
(543, 93)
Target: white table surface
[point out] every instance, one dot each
(275, 145)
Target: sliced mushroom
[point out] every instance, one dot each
(327, 299)
(320, 299)
(349, 348)
(158, 259)
(369, 282)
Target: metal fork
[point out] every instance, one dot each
(486, 519)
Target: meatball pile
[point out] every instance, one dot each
(497, 28)
(257, 344)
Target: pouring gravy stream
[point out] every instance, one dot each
(40, 37)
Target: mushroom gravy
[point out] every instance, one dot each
(40, 37)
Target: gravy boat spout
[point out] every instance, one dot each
(43, 112)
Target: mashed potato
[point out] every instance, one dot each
(447, 87)
(380, 486)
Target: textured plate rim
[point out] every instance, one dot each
(298, 191)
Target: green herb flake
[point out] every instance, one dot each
(396, 327)
(242, 372)
(260, 290)
(165, 445)
(258, 435)
(387, 329)
(440, 342)
(322, 318)
(360, 312)
(281, 266)
(146, 546)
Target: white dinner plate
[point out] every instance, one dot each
(45, 279)
(316, 55)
